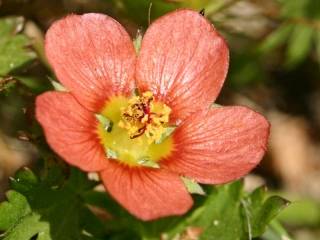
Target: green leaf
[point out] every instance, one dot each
(317, 42)
(299, 44)
(302, 212)
(34, 83)
(276, 232)
(300, 9)
(261, 210)
(192, 186)
(14, 51)
(276, 38)
(222, 214)
(15, 208)
(228, 213)
(51, 208)
(19, 221)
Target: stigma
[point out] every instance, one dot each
(144, 116)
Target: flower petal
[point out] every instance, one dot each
(69, 130)
(219, 145)
(147, 193)
(184, 61)
(92, 56)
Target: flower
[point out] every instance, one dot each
(142, 142)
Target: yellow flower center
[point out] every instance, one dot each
(135, 130)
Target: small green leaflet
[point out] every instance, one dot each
(215, 105)
(111, 154)
(136, 92)
(57, 86)
(192, 186)
(167, 133)
(106, 123)
(137, 41)
(146, 162)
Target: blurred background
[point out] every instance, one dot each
(275, 69)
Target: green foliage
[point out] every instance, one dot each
(275, 231)
(226, 213)
(53, 207)
(245, 69)
(7, 83)
(156, 8)
(50, 208)
(277, 37)
(19, 220)
(14, 52)
(301, 8)
(299, 45)
(298, 31)
(16, 208)
(302, 212)
(16, 55)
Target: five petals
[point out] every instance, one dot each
(184, 62)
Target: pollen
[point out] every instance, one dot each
(135, 131)
(145, 116)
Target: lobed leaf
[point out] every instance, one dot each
(49, 208)
(14, 51)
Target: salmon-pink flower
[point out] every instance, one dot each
(141, 144)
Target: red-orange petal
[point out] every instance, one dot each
(219, 145)
(92, 56)
(184, 61)
(69, 130)
(147, 193)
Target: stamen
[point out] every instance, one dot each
(135, 131)
(145, 116)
